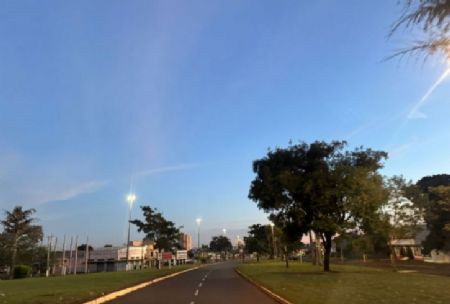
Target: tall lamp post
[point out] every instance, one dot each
(273, 239)
(130, 199)
(224, 234)
(198, 221)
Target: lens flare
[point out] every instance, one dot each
(415, 111)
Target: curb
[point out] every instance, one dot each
(122, 292)
(271, 294)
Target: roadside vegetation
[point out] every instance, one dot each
(307, 284)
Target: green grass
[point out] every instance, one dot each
(75, 289)
(307, 284)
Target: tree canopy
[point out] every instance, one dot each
(437, 210)
(258, 240)
(220, 244)
(20, 236)
(158, 229)
(320, 187)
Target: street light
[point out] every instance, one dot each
(130, 199)
(273, 239)
(198, 221)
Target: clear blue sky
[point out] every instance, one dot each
(180, 96)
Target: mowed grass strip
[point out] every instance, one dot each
(308, 284)
(76, 289)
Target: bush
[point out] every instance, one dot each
(22, 271)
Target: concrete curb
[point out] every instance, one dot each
(122, 292)
(271, 294)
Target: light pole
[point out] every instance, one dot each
(198, 221)
(224, 234)
(130, 199)
(273, 239)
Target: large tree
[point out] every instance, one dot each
(432, 19)
(220, 244)
(437, 210)
(158, 229)
(320, 187)
(19, 236)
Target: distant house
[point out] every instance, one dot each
(410, 248)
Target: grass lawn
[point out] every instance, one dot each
(75, 289)
(307, 284)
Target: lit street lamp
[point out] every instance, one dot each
(198, 221)
(130, 199)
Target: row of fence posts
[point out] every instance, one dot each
(73, 255)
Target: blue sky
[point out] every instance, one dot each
(180, 96)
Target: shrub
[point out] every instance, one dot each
(22, 271)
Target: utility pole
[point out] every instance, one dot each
(75, 266)
(86, 253)
(54, 255)
(70, 255)
(49, 248)
(63, 268)
(199, 221)
(130, 199)
(312, 249)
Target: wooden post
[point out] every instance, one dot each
(70, 254)
(75, 266)
(63, 268)
(86, 255)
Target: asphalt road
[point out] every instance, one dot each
(217, 283)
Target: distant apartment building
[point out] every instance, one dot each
(185, 241)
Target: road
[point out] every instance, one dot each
(217, 283)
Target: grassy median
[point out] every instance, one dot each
(75, 289)
(307, 284)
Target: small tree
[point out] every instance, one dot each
(220, 244)
(19, 235)
(158, 229)
(259, 240)
(83, 247)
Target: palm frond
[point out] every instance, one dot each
(433, 46)
(427, 13)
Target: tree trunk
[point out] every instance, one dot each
(286, 256)
(393, 258)
(318, 252)
(13, 258)
(392, 255)
(326, 259)
(257, 257)
(312, 249)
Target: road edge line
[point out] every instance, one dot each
(270, 293)
(122, 292)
